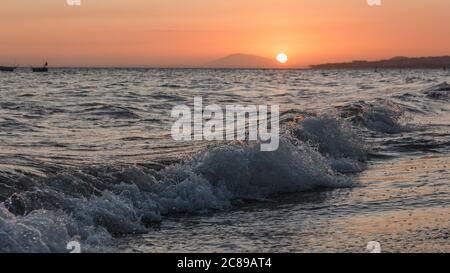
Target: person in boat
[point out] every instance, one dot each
(41, 69)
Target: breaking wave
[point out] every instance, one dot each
(42, 212)
(440, 91)
(95, 204)
(383, 117)
(335, 139)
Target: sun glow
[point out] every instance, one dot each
(282, 58)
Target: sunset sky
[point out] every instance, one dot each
(160, 33)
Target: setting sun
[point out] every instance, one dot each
(282, 58)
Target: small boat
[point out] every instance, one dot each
(7, 68)
(41, 69)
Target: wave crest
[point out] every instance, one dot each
(440, 91)
(97, 203)
(383, 117)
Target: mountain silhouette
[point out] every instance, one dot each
(243, 61)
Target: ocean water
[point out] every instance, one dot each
(86, 155)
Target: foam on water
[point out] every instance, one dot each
(94, 204)
(336, 140)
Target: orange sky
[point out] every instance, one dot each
(193, 32)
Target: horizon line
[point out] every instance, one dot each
(281, 67)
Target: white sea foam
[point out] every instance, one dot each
(63, 206)
(336, 140)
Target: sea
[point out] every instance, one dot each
(87, 156)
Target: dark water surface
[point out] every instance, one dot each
(86, 155)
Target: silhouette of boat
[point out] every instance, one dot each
(7, 68)
(41, 69)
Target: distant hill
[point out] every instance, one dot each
(442, 62)
(243, 61)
